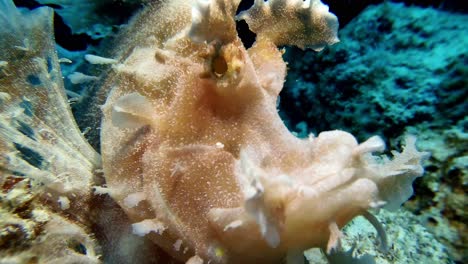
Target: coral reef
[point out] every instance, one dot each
(405, 246)
(441, 197)
(396, 69)
(95, 17)
(379, 79)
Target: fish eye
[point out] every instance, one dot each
(219, 65)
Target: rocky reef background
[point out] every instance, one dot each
(397, 69)
(400, 67)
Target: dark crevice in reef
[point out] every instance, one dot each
(118, 11)
(346, 10)
(30, 4)
(247, 36)
(63, 33)
(243, 31)
(69, 41)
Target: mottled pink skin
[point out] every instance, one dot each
(193, 128)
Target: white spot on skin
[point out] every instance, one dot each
(4, 97)
(3, 67)
(233, 225)
(93, 59)
(25, 46)
(40, 216)
(134, 199)
(131, 111)
(219, 145)
(147, 226)
(377, 204)
(65, 60)
(98, 190)
(176, 169)
(64, 202)
(79, 78)
(195, 260)
(177, 244)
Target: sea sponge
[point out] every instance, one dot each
(194, 150)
